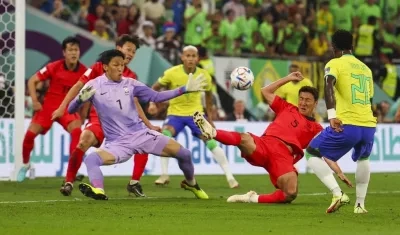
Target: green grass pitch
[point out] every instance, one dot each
(37, 207)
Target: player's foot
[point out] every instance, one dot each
(162, 180)
(136, 189)
(337, 202)
(233, 183)
(358, 209)
(66, 188)
(79, 178)
(92, 192)
(205, 127)
(22, 172)
(241, 198)
(198, 192)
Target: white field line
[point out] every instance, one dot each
(135, 198)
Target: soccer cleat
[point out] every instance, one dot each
(135, 189)
(359, 209)
(22, 172)
(162, 180)
(198, 192)
(242, 198)
(337, 202)
(66, 188)
(92, 192)
(233, 183)
(205, 127)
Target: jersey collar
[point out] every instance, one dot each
(183, 68)
(310, 118)
(76, 68)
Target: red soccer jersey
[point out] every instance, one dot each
(61, 81)
(291, 126)
(95, 71)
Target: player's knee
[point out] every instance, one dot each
(211, 144)
(86, 141)
(312, 152)
(290, 194)
(184, 154)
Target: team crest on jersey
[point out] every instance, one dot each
(126, 90)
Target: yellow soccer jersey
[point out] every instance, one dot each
(354, 88)
(189, 103)
(290, 91)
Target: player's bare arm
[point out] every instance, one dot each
(209, 105)
(33, 81)
(143, 116)
(269, 91)
(72, 93)
(331, 104)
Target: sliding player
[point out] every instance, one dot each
(352, 124)
(63, 74)
(93, 133)
(112, 95)
(180, 111)
(281, 145)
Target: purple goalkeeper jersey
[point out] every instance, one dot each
(114, 103)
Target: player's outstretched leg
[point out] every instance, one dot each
(140, 161)
(96, 190)
(86, 140)
(183, 155)
(324, 173)
(27, 147)
(362, 181)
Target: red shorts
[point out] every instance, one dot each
(95, 127)
(43, 118)
(273, 155)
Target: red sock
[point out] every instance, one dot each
(228, 137)
(27, 146)
(76, 155)
(140, 161)
(74, 163)
(276, 197)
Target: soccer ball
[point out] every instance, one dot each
(242, 78)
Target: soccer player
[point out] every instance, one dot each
(63, 74)
(112, 95)
(281, 145)
(352, 124)
(93, 135)
(181, 109)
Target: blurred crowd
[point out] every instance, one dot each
(246, 28)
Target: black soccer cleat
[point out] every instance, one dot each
(135, 189)
(66, 188)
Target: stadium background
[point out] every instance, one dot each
(49, 22)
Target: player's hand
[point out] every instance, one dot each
(155, 128)
(152, 110)
(196, 84)
(295, 76)
(86, 93)
(57, 113)
(336, 124)
(36, 105)
(344, 179)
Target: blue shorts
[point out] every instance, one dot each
(179, 122)
(334, 145)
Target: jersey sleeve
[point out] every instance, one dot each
(165, 80)
(92, 73)
(331, 68)
(279, 104)
(45, 72)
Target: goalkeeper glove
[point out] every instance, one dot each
(86, 93)
(196, 84)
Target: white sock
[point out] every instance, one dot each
(324, 173)
(132, 182)
(220, 157)
(164, 165)
(362, 180)
(254, 198)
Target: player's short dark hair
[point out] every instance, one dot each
(107, 56)
(342, 40)
(124, 38)
(309, 89)
(70, 40)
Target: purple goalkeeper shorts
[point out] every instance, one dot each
(143, 141)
